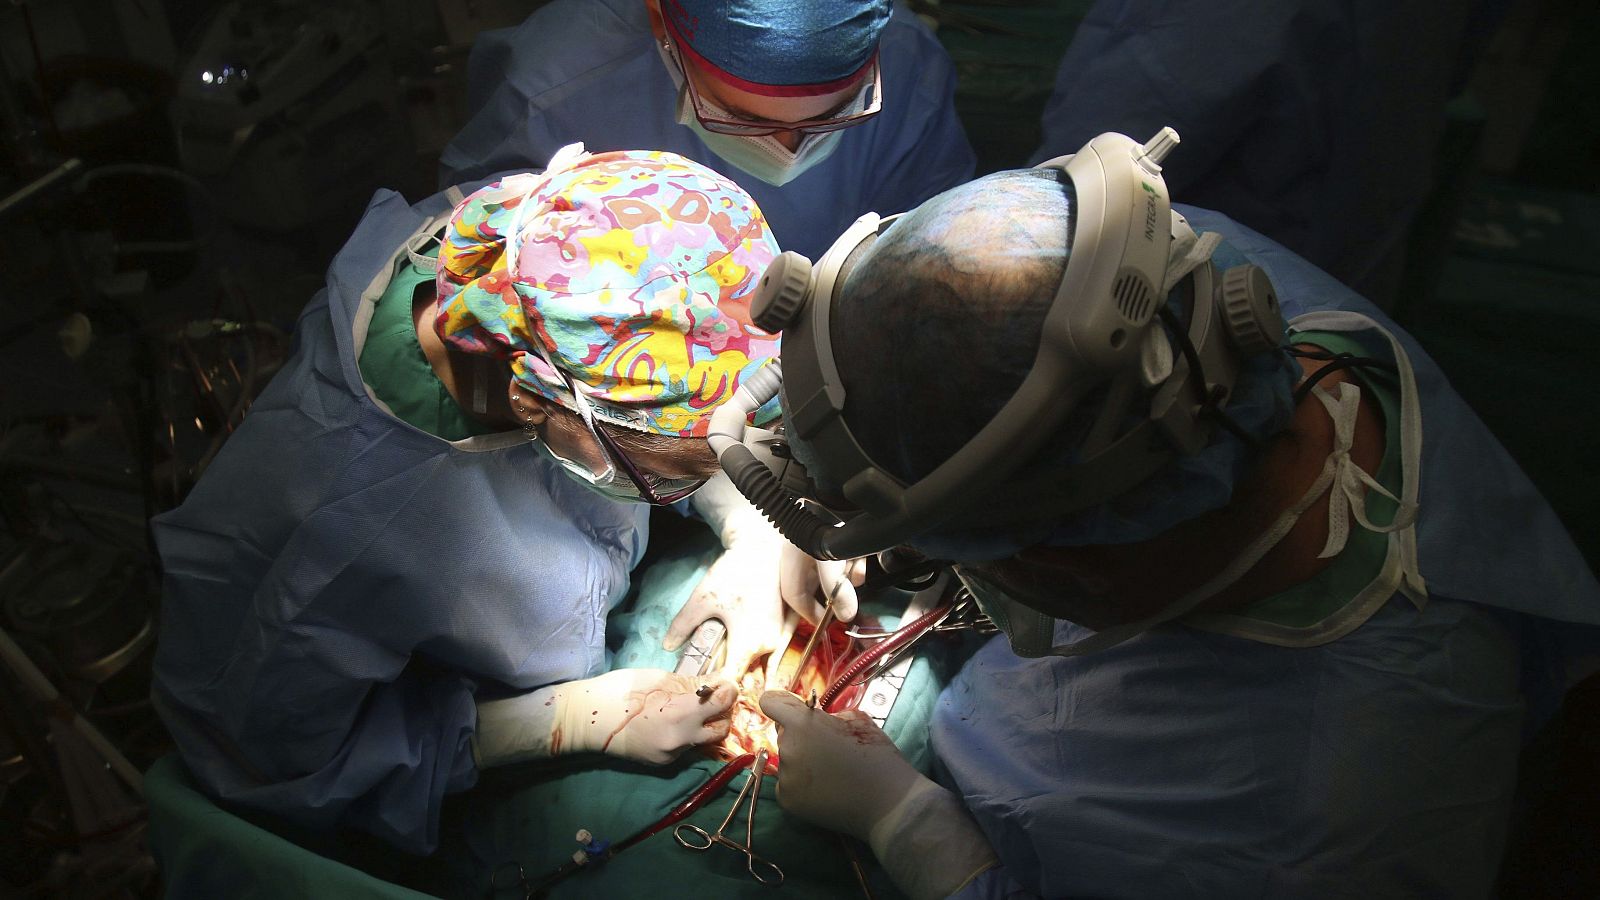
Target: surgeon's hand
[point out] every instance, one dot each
(645, 715)
(838, 771)
(843, 773)
(804, 582)
(741, 586)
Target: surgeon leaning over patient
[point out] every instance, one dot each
(822, 110)
(398, 570)
(1279, 610)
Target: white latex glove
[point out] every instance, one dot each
(803, 581)
(645, 715)
(843, 773)
(741, 586)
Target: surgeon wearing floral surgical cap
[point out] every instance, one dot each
(398, 570)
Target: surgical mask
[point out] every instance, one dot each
(610, 483)
(765, 157)
(615, 485)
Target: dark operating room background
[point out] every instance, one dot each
(176, 174)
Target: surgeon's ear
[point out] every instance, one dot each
(527, 406)
(657, 27)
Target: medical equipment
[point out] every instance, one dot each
(701, 651)
(1012, 708)
(809, 663)
(1107, 327)
(860, 666)
(1336, 362)
(872, 663)
(28, 674)
(596, 851)
(883, 688)
(880, 670)
(289, 110)
(695, 838)
(811, 644)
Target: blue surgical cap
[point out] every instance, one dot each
(818, 45)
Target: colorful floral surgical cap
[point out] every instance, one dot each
(629, 273)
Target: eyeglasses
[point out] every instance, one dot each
(653, 489)
(713, 118)
(640, 486)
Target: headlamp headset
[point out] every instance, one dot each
(1108, 327)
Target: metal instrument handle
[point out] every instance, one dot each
(699, 833)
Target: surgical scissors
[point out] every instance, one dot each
(760, 869)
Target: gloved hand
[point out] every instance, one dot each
(842, 772)
(645, 715)
(741, 586)
(801, 580)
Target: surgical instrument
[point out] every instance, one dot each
(873, 661)
(701, 650)
(811, 644)
(596, 852)
(698, 839)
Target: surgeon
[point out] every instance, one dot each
(1279, 611)
(822, 110)
(1315, 123)
(398, 570)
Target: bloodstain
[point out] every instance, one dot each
(555, 741)
(629, 716)
(863, 730)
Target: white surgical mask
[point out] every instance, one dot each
(764, 157)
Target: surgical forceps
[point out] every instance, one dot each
(760, 869)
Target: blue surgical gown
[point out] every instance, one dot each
(589, 70)
(339, 584)
(1186, 763)
(1314, 122)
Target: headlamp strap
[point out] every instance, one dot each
(1189, 251)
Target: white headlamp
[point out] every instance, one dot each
(1103, 328)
